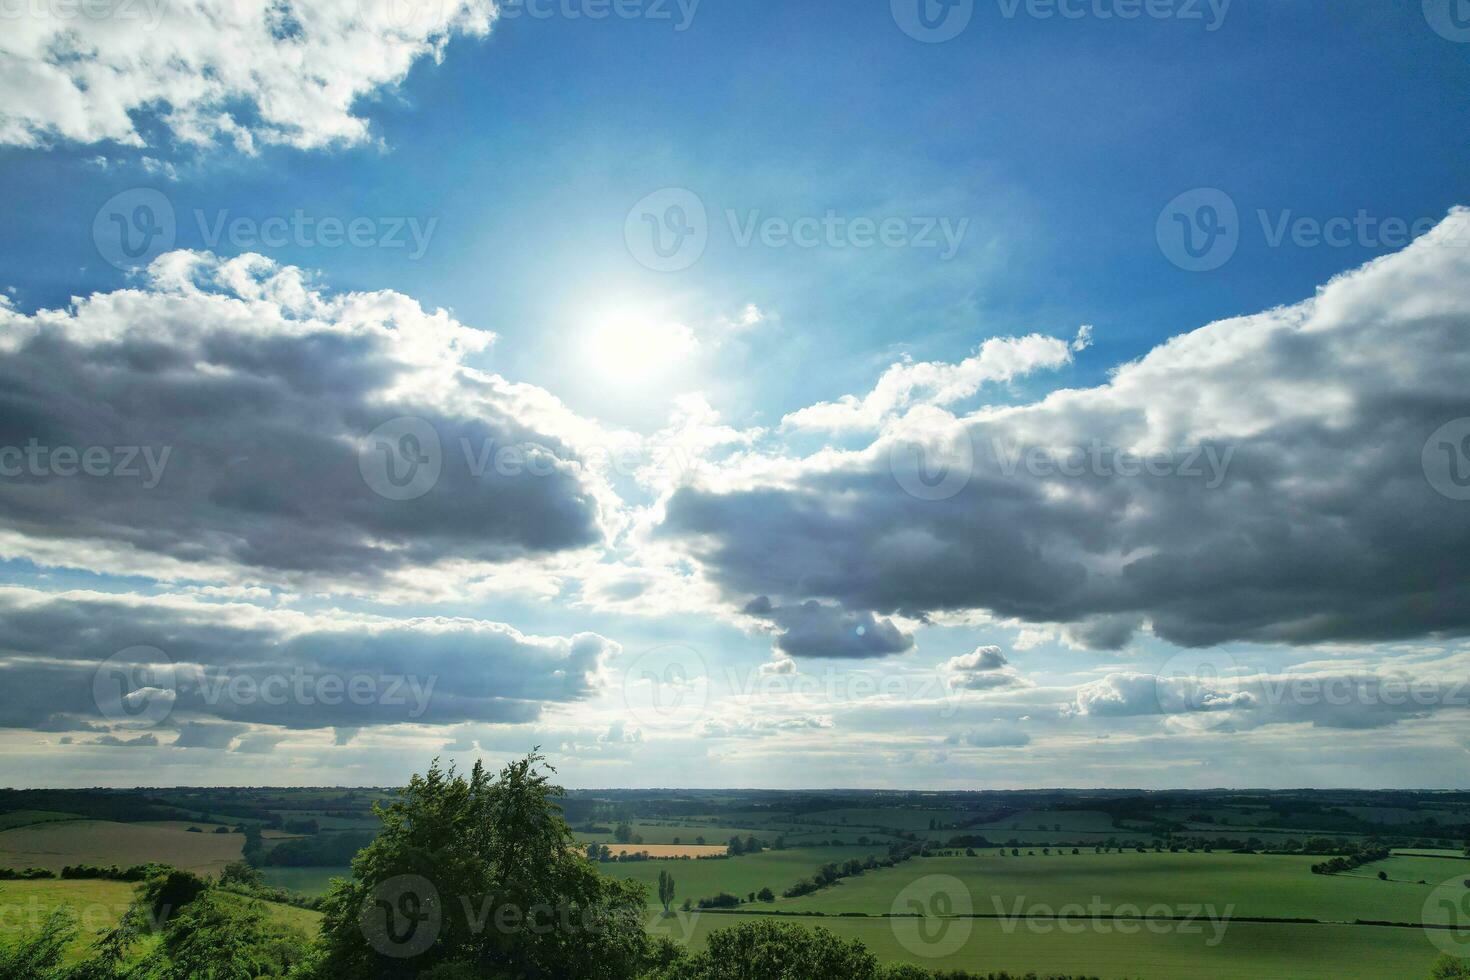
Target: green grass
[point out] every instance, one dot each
(1261, 885)
(97, 905)
(1248, 951)
(1406, 868)
(24, 818)
(696, 879)
(305, 881)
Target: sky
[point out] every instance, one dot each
(951, 394)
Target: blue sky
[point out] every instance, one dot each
(1054, 150)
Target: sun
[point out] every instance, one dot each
(636, 347)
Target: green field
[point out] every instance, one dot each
(97, 906)
(1411, 868)
(103, 842)
(1248, 951)
(305, 881)
(25, 818)
(672, 832)
(1251, 885)
(696, 879)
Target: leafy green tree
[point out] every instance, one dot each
(38, 956)
(219, 937)
(1449, 967)
(242, 875)
(166, 894)
(488, 868)
(768, 950)
(665, 889)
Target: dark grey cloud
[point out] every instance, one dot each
(146, 740)
(1289, 503)
(88, 661)
(231, 400)
(812, 629)
(990, 737)
(203, 735)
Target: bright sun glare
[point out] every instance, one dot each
(635, 347)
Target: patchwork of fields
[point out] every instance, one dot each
(1153, 914)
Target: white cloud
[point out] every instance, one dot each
(936, 383)
(250, 72)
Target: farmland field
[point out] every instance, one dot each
(25, 818)
(303, 881)
(102, 842)
(1014, 909)
(1251, 885)
(670, 850)
(1248, 951)
(695, 879)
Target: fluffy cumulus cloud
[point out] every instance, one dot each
(229, 420)
(91, 661)
(1270, 477)
(934, 383)
(982, 669)
(249, 72)
(812, 629)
